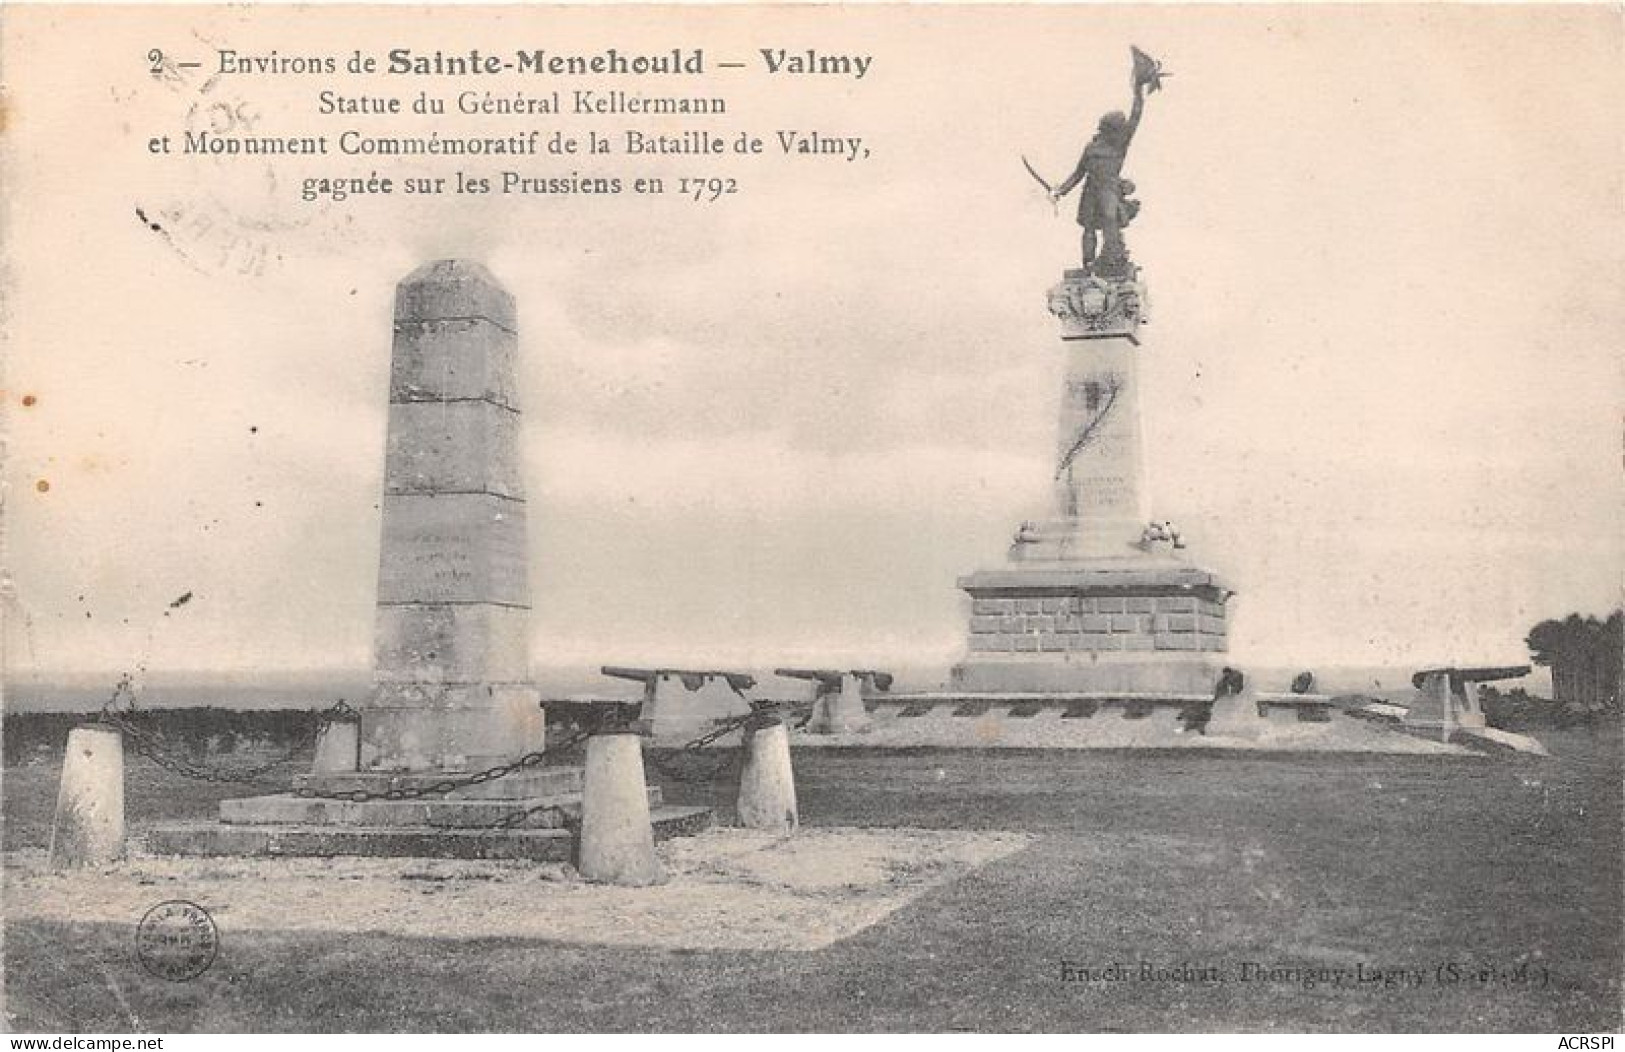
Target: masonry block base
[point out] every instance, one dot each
(1135, 626)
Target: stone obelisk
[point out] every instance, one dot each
(452, 651)
(1094, 596)
(451, 697)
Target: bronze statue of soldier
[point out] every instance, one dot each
(1104, 205)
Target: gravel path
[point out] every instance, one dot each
(729, 889)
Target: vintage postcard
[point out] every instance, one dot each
(1057, 518)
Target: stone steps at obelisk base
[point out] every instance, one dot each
(547, 812)
(530, 783)
(210, 839)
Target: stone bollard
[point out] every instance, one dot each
(617, 838)
(338, 747)
(767, 785)
(89, 826)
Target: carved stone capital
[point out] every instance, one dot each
(1097, 307)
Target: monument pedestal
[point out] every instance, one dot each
(1103, 625)
(1094, 598)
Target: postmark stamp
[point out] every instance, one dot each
(219, 218)
(177, 940)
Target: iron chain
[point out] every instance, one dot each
(665, 766)
(155, 748)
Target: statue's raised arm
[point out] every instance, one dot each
(1147, 75)
(1135, 111)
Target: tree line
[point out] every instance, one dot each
(1585, 655)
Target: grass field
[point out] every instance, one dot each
(1209, 860)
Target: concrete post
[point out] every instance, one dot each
(617, 838)
(767, 785)
(89, 826)
(338, 747)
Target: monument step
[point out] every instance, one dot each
(286, 809)
(272, 841)
(532, 782)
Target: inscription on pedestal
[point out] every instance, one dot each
(1097, 466)
(453, 548)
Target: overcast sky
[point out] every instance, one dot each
(1381, 383)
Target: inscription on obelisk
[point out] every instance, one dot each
(452, 654)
